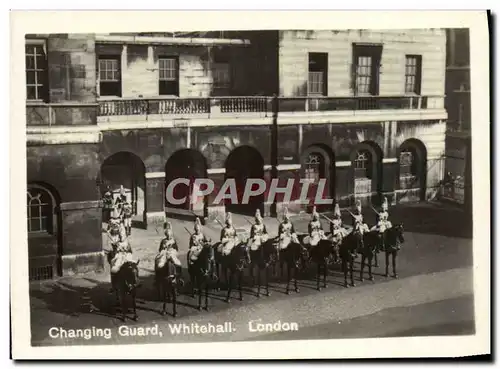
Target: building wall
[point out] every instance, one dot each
(295, 45)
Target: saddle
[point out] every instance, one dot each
(225, 248)
(194, 252)
(257, 241)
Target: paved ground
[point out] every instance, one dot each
(434, 294)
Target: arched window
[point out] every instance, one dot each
(362, 164)
(314, 167)
(40, 203)
(408, 175)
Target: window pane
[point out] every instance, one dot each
(44, 223)
(30, 49)
(30, 78)
(40, 62)
(31, 93)
(34, 225)
(40, 92)
(30, 62)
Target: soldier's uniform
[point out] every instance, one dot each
(168, 249)
(121, 199)
(197, 241)
(315, 228)
(336, 228)
(121, 249)
(359, 224)
(228, 236)
(258, 233)
(383, 222)
(127, 216)
(286, 232)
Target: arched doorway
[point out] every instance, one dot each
(317, 164)
(125, 169)
(412, 158)
(243, 163)
(189, 164)
(44, 231)
(367, 172)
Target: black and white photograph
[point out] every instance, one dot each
(252, 185)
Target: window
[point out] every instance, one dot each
(362, 164)
(314, 167)
(168, 77)
(222, 75)
(36, 72)
(40, 210)
(110, 76)
(318, 70)
(406, 159)
(366, 69)
(408, 169)
(413, 71)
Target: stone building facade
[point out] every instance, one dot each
(362, 109)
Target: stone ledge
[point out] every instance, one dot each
(83, 263)
(78, 205)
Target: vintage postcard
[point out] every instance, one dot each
(248, 185)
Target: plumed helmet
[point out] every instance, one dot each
(229, 217)
(167, 226)
(314, 212)
(385, 204)
(122, 190)
(336, 211)
(286, 214)
(257, 214)
(358, 206)
(197, 223)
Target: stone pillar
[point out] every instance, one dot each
(154, 207)
(81, 237)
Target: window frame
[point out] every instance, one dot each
(216, 69)
(40, 72)
(365, 169)
(168, 86)
(373, 53)
(51, 218)
(317, 167)
(413, 71)
(317, 67)
(110, 84)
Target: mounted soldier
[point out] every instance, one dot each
(197, 241)
(126, 215)
(120, 200)
(228, 236)
(107, 202)
(359, 225)
(121, 250)
(383, 222)
(258, 233)
(168, 249)
(315, 229)
(286, 231)
(336, 228)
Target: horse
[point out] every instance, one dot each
(348, 250)
(393, 241)
(369, 249)
(262, 258)
(126, 285)
(167, 280)
(235, 262)
(201, 272)
(321, 255)
(295, 255)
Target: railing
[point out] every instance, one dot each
(263, 104)
(60, 114)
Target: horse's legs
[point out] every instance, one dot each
(325, 273)
(376, 259)
(258, 281)
(123, 298)
(229, 285)
(295, 273)
(163, 297)
(267, 282)
(370, 267)
(199, 284)
(363, 260)
(394, 257)
(206, 294)
(134, 305)
(228, 281)
(289, 277)
(174, 300)
(387, 264)
(318, 273)
(240, 278)
(344, 269)
(351, 267)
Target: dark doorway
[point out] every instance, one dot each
(243, 163)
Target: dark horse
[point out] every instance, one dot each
(348, 252)
(262, 258)
(201, 272)
(234, 263)
(295, 255)
(369, 249)
(126, 279)
(394, 238)
(322, 255)
(167, 280)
